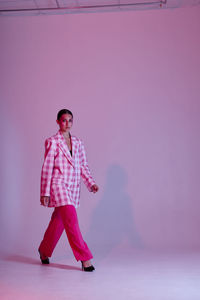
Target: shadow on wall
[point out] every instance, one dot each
(112, 221)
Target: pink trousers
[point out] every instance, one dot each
(65, 217)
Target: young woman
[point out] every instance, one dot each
(64, 165)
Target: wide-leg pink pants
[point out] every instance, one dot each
(65, 217)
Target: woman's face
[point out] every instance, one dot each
(65, 122)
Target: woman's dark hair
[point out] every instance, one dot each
(62, 112)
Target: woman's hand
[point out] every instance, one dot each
(94, 188)
(44, 200)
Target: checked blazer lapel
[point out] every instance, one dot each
(63, 146)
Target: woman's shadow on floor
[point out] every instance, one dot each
(113, 219)
(32, 261)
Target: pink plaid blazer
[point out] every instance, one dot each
(61, 172)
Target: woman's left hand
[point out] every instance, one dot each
(94, 188)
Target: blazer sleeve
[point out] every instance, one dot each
(47, 168)
(85, 171)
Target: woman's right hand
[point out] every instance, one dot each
(44, 200)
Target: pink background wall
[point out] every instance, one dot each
(132, 82)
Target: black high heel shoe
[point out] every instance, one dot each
(88, 269)
(44, 261)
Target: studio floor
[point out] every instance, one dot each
(121, 275)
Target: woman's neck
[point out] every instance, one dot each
(66, 134)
